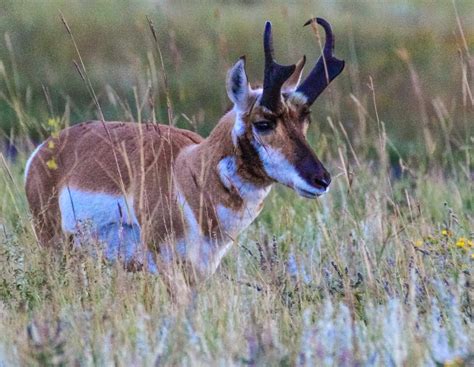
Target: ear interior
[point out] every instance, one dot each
(238, 85)
(292, 82)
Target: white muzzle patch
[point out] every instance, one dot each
(281, 170)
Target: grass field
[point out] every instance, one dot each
(378, 272)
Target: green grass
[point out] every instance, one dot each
(376, 272)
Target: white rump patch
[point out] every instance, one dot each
(30, 159)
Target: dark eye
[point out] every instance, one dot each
(264, 126)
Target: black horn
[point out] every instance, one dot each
(327, 68)
(274, 75)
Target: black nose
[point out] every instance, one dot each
(322, 180)
(313, 171)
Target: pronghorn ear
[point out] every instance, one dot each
(292, 82)
(237, 84)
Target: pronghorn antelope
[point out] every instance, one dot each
(155, 194)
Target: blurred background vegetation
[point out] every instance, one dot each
(376, 273)
(414, 51)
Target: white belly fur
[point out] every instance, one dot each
(108, 218)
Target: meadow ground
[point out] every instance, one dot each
(378, 272)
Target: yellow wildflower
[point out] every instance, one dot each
(461, 242)
(418, 243)
(51, 144)
(456, 362)
(53, 122)
(470, 243)
(52, 164)
(446, 232)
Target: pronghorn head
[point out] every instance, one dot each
(271, 122)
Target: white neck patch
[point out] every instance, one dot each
(227, 168)
(234, 221)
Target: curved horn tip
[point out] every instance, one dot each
(327, 68)
(309, 22)
(330, 41)
(267, 33)
(268, 42)
(321, 21)
(324, 23)
(268, 30)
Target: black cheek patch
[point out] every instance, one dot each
(251, 160)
